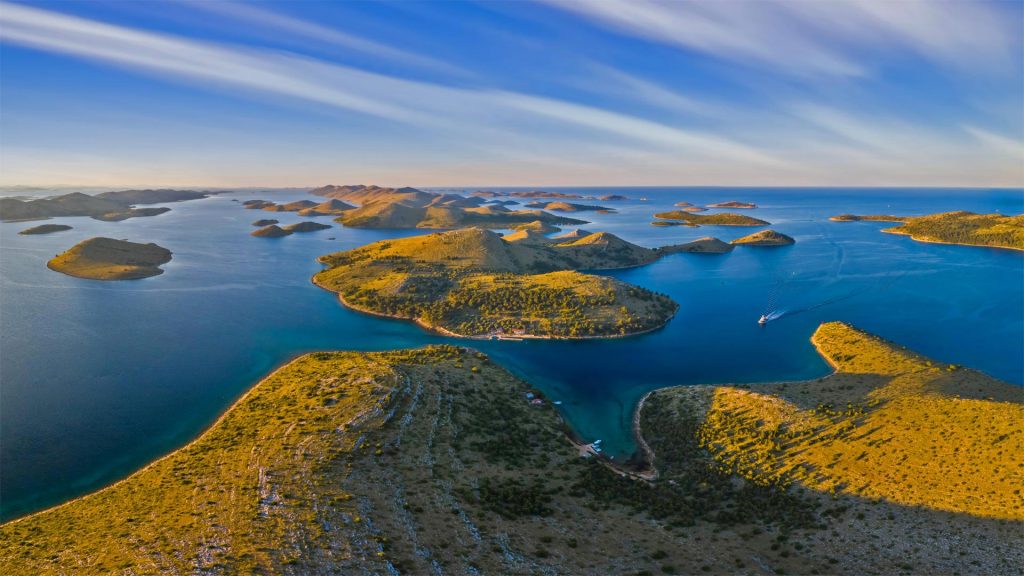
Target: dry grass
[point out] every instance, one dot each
(889, 425)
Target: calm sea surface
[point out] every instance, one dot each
(97, 379)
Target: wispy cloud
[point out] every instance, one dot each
(446, 109)
(286, 26)
(814, 37)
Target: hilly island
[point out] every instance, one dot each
(474, 283)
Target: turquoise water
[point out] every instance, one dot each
(96, 379)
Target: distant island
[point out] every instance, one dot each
(567, 207)
(733, 204)
(705, 245)
(764, 238)
(45, 229)
(110, 206)
(473, 283)
(401, 461)
(265, 222)
(302, 207)
(666, 223)
(722, 219)
(400, 208)
(275, 231)
(612, 198)
(108, 259)
(963, 228)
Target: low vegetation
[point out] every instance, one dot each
(889, 425)
(435, 461)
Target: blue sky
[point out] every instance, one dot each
(552, 92)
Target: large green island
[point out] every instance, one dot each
(437, 460)
(474, 283)
(964, 228)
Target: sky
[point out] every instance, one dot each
(525, 93)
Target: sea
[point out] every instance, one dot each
(99, 378)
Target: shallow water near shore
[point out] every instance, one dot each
(97, 379)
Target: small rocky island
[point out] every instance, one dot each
(765, 238)
(705, 245)
(734, 204)
(108, 259)
(265, 222)
(723, 219)
(45, 229)
(275, 231)
(567, 207)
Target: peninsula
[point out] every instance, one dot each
(473, 283)
(403, 461)
(964, 228)
(108, 259)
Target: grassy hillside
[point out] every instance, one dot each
(435, 461)
(723, 219)
(889, 425)
(994, 230)
(473, 283)
(109, 259)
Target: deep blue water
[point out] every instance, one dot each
(96, 379)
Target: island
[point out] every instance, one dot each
(567, 207)
(265, 222)
(721, 219)
(705, 245)
(45, 229)
(764, 238)
(874, 218)
(673, 223)
(272, 231)
(961, 227)
(472, 283)
(108, 259)
(734, 204)
(537, 226)
(306, 227)
(403, 461)
(400, 208)
(110, 206)
(332, 207)
(613, 198)
(275, 231)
